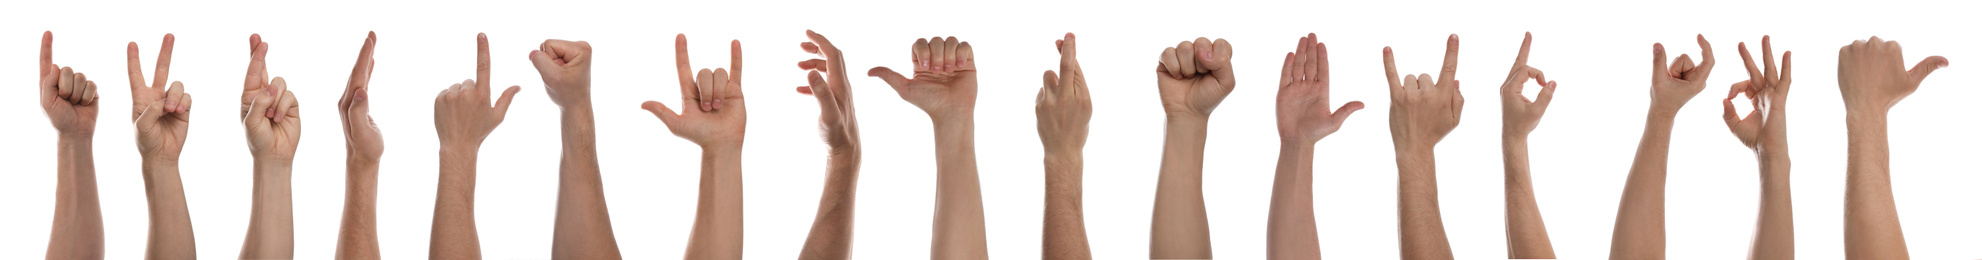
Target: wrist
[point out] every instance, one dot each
(575, 107)
(1662, 113)
(72, 141)
(723, 150)
(272, 172)
(1507, 138)
(76, 136)
(1187, 119)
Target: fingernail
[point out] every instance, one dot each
(705, 106)
(719, 104)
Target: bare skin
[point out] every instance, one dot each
(1872, 79)
(1422, 112)
(1640, 230)
(357, 235)
(161, 116)
(1191, 78)
(584, 230)
(269, 114)
(1303, 119)
(714, 119)
(1527, 237)
(945, 87)
(832, 228)
(463, 117)
(69, 98)
(1063, 110)
(1768, 136)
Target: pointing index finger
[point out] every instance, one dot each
(47, 51)
(481, 61)
(1451, 68)
(1521, 60)
(164, 62)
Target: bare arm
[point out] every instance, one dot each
(713, 118)
(1640, 227)
(718, 232)
(1422, 112)
(357, 235)
(1768, 136)
(271, 223)
(1063, 110)
(832, 227)
(161, 117)
(69, 99)
(1290, 229)
(1178, 227)
(945, 87)
(1527, 237)
(273, 126)
(1303, 118)
(454, 235)
(1871, 79)
(584, 229)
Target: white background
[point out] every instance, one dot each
(1596, 49)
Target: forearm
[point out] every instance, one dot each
(1290, 230)
(959, 225)
(718, 232)
(1065, 227)
(832, 227)
(1178, 229)
(583, 229)
(1527, 236)
(171, 234)
(1421, 228)
(271, 227)
(1640, 229)
(357, 236)
(78, 227)
(1871, 221)
(1775, 233)
(454, 235)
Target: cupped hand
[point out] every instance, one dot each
(462, 114)
(161, 114)
(945, 82)
(1194, 77)
(836, 119)
(1673, 85)
(67, 96)
(268, 109)
(1871, 76)
(1767, 91)
(1423, 111)
(1518, 115)
(566, 67)
(1302, 106)
(362, 139)
(1063, 107)
(713, 100)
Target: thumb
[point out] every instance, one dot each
(1342, 114)
(1547, 94)
(1926, 66)
(668, 117)
(502, 103)
(894, 79)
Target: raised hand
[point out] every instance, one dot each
(714, 98)
(945, 82)
(1063, 107)
(1195, 76)
(1767, 91)
(67, 96)
(268, 109)
(160, 113)
(1302, 105)
(836, 118)
(1423, 111)
(462, 113)
(1673, 85)
(1872, 77)
(1519, 116)
(362, 139)
(566, 67)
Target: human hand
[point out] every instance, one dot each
(1767, 92)
(566, 67)
(160, 113)
(362, 140)
(1518, 115)
(1423, 111)
(945, 82)
(1870, 76)
(1194, 77)
(462, 114)
(1063, 107)
(714, 124)
(1673, 85)
(268, 109)
(836, 118)
(68, 97)
(1302, 105)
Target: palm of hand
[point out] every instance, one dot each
(1302, 104)
(1194, 76)
(1767, 91)
(1871, 74)
(161, 129)
(945, 80)
(712, 101)
(1673, 85)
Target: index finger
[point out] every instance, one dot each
(1451, 68)
(1706, 60)
(137, 73)
(361, 72)
(820, 40)
(1390, 69)
(47, 51)
(481, 60)
(164, 62)
(1521, 60)
(681, 66)
(258, 50)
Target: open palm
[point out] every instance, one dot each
(1302, 106)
